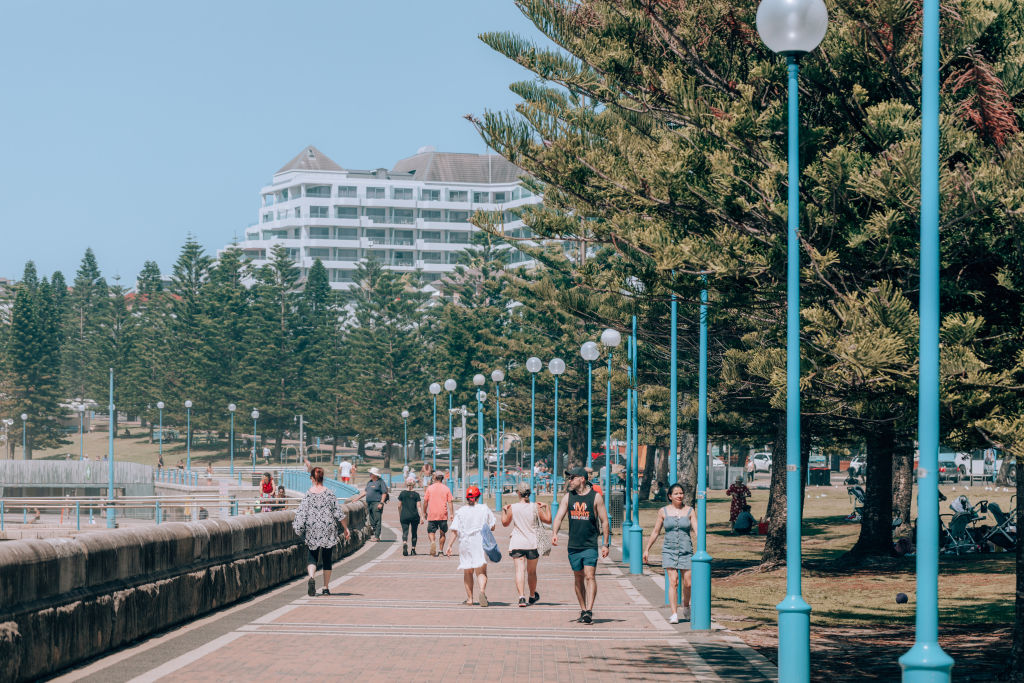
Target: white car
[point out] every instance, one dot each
(762, 462)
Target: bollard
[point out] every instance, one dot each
(91, 520)
(24, 515)
(78, 516)
(158, 516)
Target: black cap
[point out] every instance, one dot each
(578, 472)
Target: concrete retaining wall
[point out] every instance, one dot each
(66, 600)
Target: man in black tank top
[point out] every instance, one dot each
(588, 520)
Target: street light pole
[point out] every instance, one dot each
(481, 396)
(405, 437)
(160, 410)
(534, 365)
(81, 430)
(449, 386)
(24, 440)
(673, 412)
(700, 616)
(627, 498)
(793, 28)
(497, 377)
(188, 436)
(926, 661)
(111, 514)
(636, 557)
(465, 439)
(556, 367)
(610, 339)
(435, 389)
(255, 414)
(589, 352)
(231, 443)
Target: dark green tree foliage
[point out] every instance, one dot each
(186, 367)
(144, 378)
(84, 372)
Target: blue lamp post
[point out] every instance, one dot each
(435, 389)
(24, 440)
(534, 365)
(610, 339)
(255, 414)
(498, 376)
(449, 386)
(111, 514)
(188, 436)
(700, 598)
(231, 440)
(589, 352)
(793, 28)
(673, 397)
(160, 411)
(80, 409)
(481, 396)
(636, 557)
(926, 661)
(405, 436)
(556, 367)
(627, 516)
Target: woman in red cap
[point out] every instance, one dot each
(469, 520)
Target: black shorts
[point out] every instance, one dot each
(530, 554)
(435, 524)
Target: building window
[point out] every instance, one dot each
(347, 233)
(318, 190)
(430, 195)
(268, 200)
(430, 216)
(347, 212)
(431, 257)
(458, 238)
(500, 197)
(458, 195)
(319, 233)
(253, 254)
(452, 257)
(267, 217)
(458, 216)
(402, 237)
(427, 278)
(318, 212)
(377, 215)
(401, 193)
(346, 254)
(346, 191)
(378, 236)
(298, 212)
(281, 196)
(275, 234)
(402, 216)
(375, 193)
(322, 253)
(431, 236)
(343, 275)
(481, 197)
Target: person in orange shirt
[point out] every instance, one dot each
(437, 500)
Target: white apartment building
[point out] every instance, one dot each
(413, 217)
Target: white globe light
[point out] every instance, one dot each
(435, 388)
(405, 414)
(611, 338)
(449, 385)
(792, 27)
(232, 407)
(255, 414)
(498, 376)
(556, 366)
(160, 405)
(80, 408)
(188, 404)
(24, 417)
(534, 364)
(481, 396)
(589, 351)
(479, 380)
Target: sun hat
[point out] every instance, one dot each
(374, 471)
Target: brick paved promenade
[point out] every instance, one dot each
(399, 618)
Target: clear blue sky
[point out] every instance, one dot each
(126, 125)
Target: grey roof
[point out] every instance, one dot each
(310, 159)
(452, 167)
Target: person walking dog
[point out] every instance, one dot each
(316, 521)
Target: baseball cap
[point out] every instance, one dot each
(577, 472)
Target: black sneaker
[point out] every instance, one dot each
(311, 587)
(534, 598)
(325, 591)
(405, 550)
(413, 551)
(587, 617)
(579, 619)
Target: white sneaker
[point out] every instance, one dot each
(674, 619)
(686, 614)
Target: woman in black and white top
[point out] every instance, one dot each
(316, 521)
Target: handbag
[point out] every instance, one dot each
(543, 534)
(490, 544)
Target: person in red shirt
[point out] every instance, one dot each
(437, 500)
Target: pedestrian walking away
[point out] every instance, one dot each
(750, 469)
(409, 506)
(376, 495)
(587, 521)
(680, 524)
(316, 521)
(437, 501)
(345, 471)
(739, 492)
(526, 519)
(469, 520)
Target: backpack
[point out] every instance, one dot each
(490, 544)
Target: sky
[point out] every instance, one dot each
(127, 125)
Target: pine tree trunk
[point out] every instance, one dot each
(1007, 471)
(1017, 649)
(662, 477)
(647, 477)
(774, 553)
(876, 527)
(361, 446)
(277, 446)
(387, 455)
(903, 486)
(688, 466)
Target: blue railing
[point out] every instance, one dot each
(298, 480)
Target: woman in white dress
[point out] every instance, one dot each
(469, 520)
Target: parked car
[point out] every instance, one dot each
(949, 468)
(762, 462)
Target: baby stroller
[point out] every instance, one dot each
(958, 537)
(857, 495)
(1004, 533)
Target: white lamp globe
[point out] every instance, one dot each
(80, 407)
(232, 407)
(255, 414)
(497, 376)
(481, 396)
(449, 385)
(556, 366)
(479, 380)
(405, 414)
(611, 338)
(160, 405)
(792, 27)
(24, 416)
(589, 351)
(188, 404)
(435, 388)
(534, 364)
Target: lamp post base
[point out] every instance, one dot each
(497, 500)
(794, 639)
(926, 663)
(700, 592)
(636, 550)
(627, 527)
